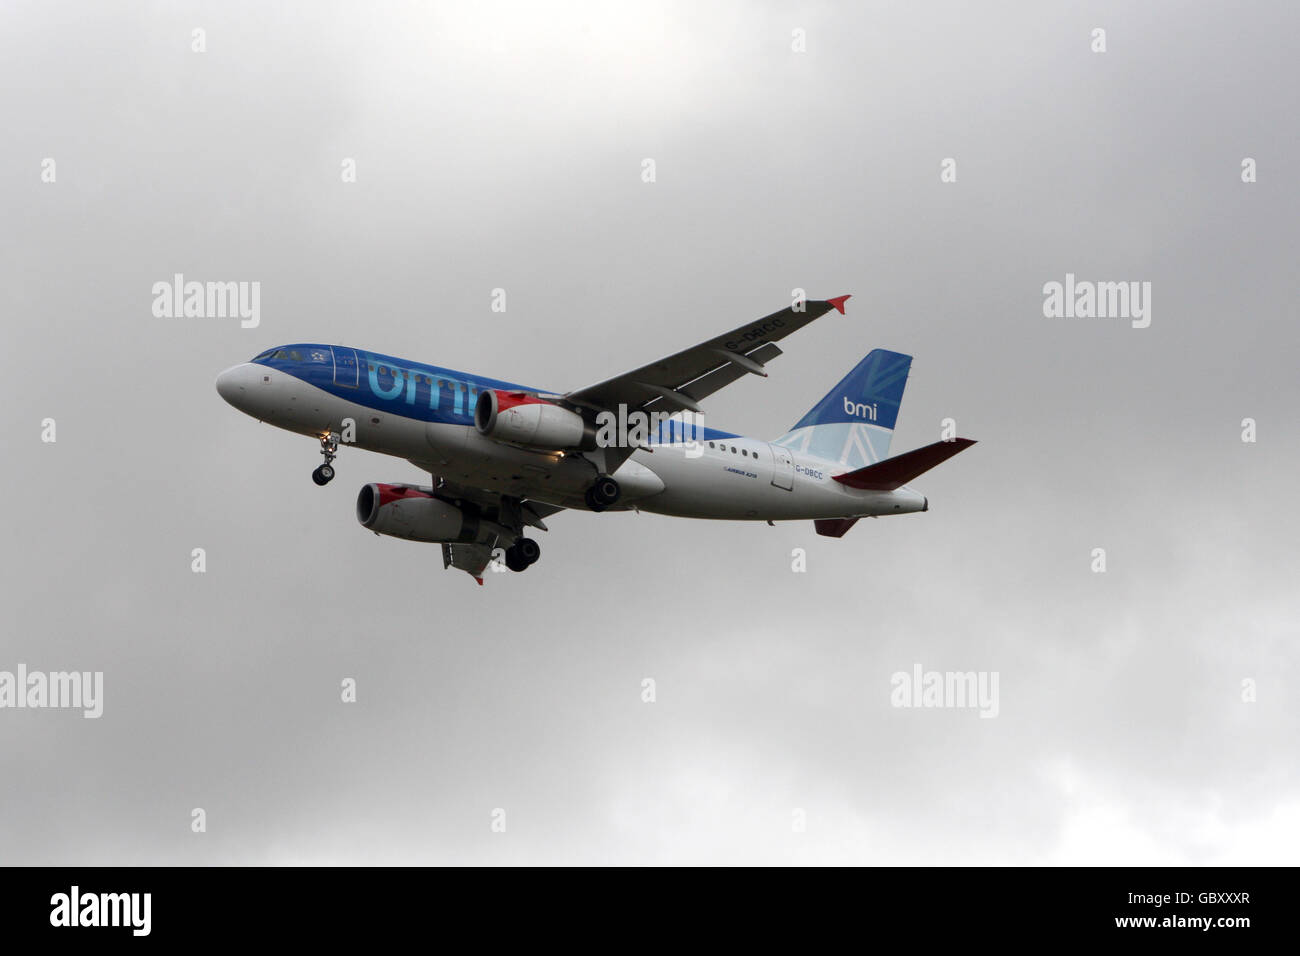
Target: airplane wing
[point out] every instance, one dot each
(683, 380)
(680, 381)
(530, 514)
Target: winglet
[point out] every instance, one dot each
(839, 301)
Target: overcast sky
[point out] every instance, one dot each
(502, 146)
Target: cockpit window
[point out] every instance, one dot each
(265, 355)
(295, 355)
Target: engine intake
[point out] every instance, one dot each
(416, 515)
(524, 419)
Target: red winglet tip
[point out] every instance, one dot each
(479, 580)
(839, 301)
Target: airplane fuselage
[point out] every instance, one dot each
(425, 414)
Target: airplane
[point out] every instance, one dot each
(503, 457)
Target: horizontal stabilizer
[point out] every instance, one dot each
(834, 527)
(895, 472)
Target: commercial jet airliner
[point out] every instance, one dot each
(503, 457)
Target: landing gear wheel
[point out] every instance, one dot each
(329, 447)
(603, 493)
(528, 549)
(521, 554)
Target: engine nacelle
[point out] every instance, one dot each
(416, 515)
(528, 420)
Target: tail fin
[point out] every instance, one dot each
(853, 424)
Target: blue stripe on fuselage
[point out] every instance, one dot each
(397, 386)
(410, 389)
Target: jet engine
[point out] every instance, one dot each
(403, 511)
(524, 419)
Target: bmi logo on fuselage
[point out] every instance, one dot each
(859, 410)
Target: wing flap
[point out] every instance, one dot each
(470, 558)
(729, 372)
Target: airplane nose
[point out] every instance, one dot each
(232, 382)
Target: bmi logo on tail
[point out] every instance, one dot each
(859, 409)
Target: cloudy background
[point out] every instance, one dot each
(501, 145)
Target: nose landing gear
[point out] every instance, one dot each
(329, 447)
